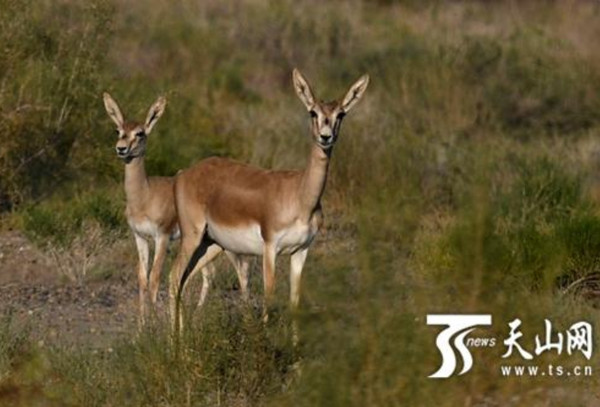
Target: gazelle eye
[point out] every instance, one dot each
(313, 114)
(341, 115)
(140, 134)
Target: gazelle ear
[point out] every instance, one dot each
(156, 110)
(113, 110)
(355, 93)
(303, 89)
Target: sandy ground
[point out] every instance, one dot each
(59, 311)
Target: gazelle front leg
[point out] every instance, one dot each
(143, 253)
(296, 265)
(160, 251)
(269, 255)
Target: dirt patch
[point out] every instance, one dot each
(92, 312)
(21, 261)
(91, 315)
(58, 311)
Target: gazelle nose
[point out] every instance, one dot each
(326, 138)
(121, 150)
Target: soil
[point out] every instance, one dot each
(62, 312)
(91, 313)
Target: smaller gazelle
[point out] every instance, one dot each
(226, 205)
(150, 208)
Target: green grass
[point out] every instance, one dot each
(58, 222)
(465, 181)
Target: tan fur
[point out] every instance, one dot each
(226, 205)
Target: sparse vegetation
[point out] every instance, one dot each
(465, 181)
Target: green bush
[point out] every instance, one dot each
(59, 222)
(580, 236)
(527, 87)
(526, 231)
(50, 78)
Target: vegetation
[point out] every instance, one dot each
(466, 181)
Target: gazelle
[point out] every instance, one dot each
(226, 205)
(150, 208)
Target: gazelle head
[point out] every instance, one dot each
(327, 116)
(131, 140)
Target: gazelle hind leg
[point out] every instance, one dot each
(241, 268)
(201, 257)
(208, 275)
(189, 243)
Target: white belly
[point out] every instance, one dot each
(248, 239)
(241, 240)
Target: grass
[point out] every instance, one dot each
(465, 181)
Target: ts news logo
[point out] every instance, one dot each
(458, 326)
(452, 341)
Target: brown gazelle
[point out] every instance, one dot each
(150, 203)
(226, 205)
(150, 207)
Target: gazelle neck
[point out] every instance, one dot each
(314, 178)
(136, 181)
